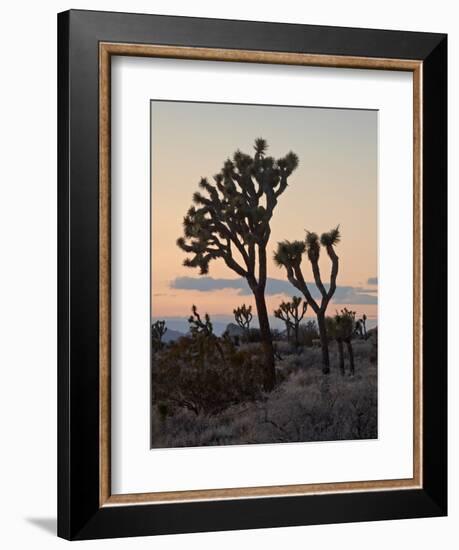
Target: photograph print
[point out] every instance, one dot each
(264, 263)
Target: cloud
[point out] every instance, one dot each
(372, 281)
(343, 294)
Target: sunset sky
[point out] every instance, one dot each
(335, 183)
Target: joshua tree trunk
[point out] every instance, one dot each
(323, 342)
(265, 333)
(341, 355)
(297, 327)
(350, 351)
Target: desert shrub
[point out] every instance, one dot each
(254, 335)
(205, 374)
(307, 332)
(362, 349)
(304, 406)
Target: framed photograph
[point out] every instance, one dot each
(252, 275)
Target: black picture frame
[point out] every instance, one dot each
(80, 515)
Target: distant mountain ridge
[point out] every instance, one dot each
(178, 326)
(172, 335)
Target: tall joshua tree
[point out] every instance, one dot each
(232, 222)
(243, 316)
(292, 314)
(290, 254)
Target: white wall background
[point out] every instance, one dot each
(28, 271)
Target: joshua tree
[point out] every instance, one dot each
(334, 332)
(232, 222)
(292, 314)
(283, 313)
(289, 255)
(158, 330)
(364, 326)
(243, 316)
(197, 325)
(347, 330)
(361, 327)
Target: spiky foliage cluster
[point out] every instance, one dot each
(233, 213)
(312, 246)
(289, 253)
(332, 238)
(243, 316)
(199, 326)
(158, 330)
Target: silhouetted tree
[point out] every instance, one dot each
(232, 222)
(361, 327)
(283, 313)
(243, 316)
(197, 325)
(292, 314)
(289, 255)
(364, 322)
(158, 330)
(334, 332)
(347, 330)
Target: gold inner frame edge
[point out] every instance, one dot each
(106, 51)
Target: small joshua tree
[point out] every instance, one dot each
(347, 330)
(231, 222)
(290, 254)
(361, 327)
(364, 326)
(334, 332)
(243, 316)
(158, 330)
(283, 313)
(292, 314)
(197, 325)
